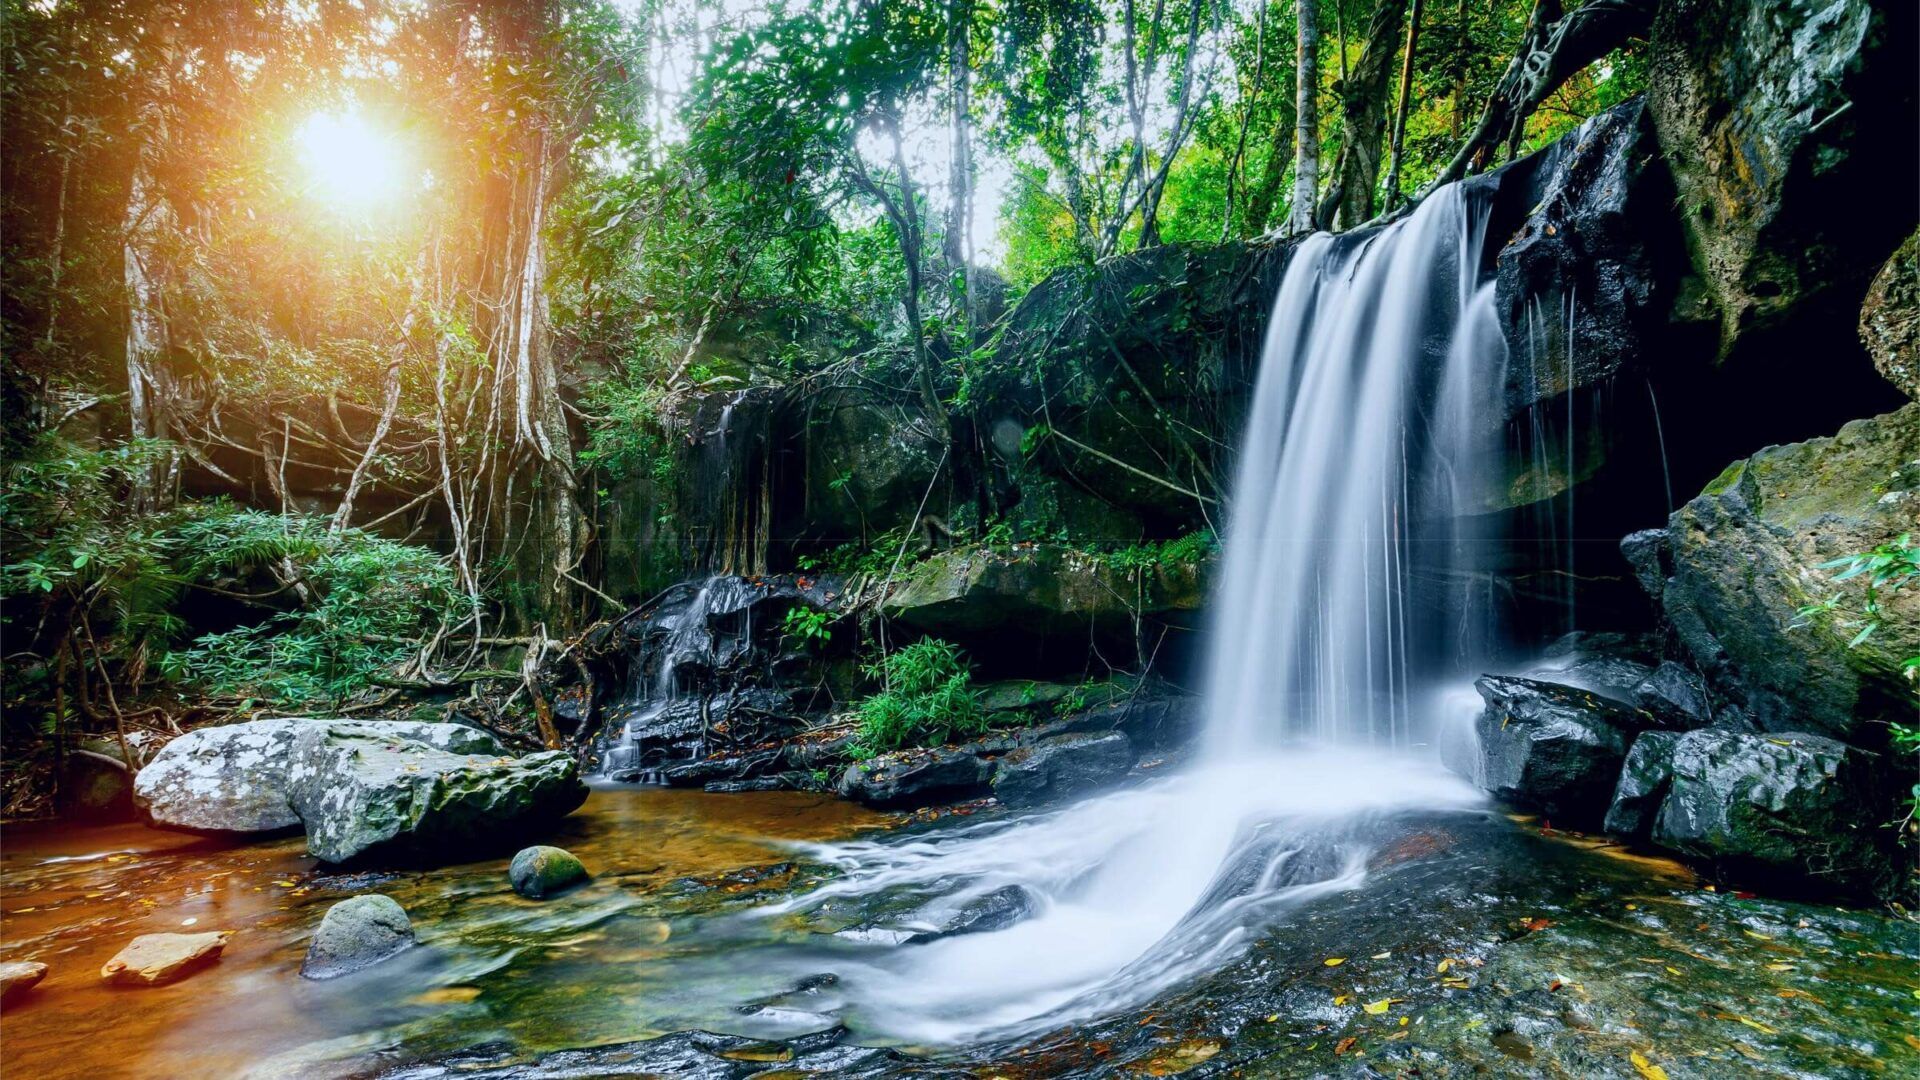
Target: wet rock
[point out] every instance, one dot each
(1794, 805)
(1676, 695)
(357, 933)
(914, 778)
(869, 461)
(234, 778)
(363, 794)
(725, 768)
(1651, 556)
(1747, 558)
(1147, 720)
(1062, 767)
(1890, 319)
(1644, 781)
(541, 871)
(1553, 748)
(17, 978)
(97, 784)
(1771, 115)
(155, 959)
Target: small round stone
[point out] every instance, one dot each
(357, 932)
(541, 871)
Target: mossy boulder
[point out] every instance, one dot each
(979, 588)
(542, 871)
(376, 796)
(1748, 555)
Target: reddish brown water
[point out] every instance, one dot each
(491, 966)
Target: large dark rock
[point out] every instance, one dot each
(376, 796)
(1556, 749)
(234, 778)
(911, 778)
(1062, 767)
(979, 588)
(1774, 115)
(1890, 318)
(1747, 557)
(1768, 805)
(870, 462)
(1644, 781)
(357, 933)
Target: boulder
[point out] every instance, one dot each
(234, 778)
(541, 871)
(869, 462)
(368, 794)
(1749, 555)
(1556, 749)
(1798, 805)
(911, 778)
(357, 933)
(1772, 116)
(154, 959)
(1062, 767)
(97, 784)
(1644, 780)
(17, 978)
(1890, 318)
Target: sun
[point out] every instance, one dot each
(352, 162)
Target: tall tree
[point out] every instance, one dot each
(1306, 139)
(958, 239)
(1363, 109)
(1397, 152)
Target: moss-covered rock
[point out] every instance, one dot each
(1747, 558)
(542, 871)
(979, 588)
(379, 796)
(357, 933)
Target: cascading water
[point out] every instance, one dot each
(1341, 609)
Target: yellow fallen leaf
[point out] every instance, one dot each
(1912, 1040)
(1404, 1021)
(1757, 1026)
(1334, 961)
(1272, 1019)
(1671, 970)
(1340, 999)
(1756, 935)
(1779, 967)
(446, 995)
(1443, 965)
(1376, 1008)
(284, 884)
(1647, 1069)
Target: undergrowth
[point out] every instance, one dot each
(927, 699)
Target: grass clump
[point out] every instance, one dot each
(928, 699)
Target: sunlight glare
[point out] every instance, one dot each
(350, 161)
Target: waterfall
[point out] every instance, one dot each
(1343, 619)
(1353, 473)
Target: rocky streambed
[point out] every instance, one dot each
(1476, 944)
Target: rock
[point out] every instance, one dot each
(541, 871)
(914, 778)
(1553, 748)
(17, 977)
(357, 933)
(869, 462)
(366, 794)
(97, 785)
(1676, 695)
(1772, 115)
(1890, 319)
(1644, 780)
(154, 959)
(1149, 720)
(1062, 767)
(977, 589)
(234, 778)
(1795, 804)
(1747, 558)
(1651, 557)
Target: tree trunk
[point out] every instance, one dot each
(1306, 146)
(1397, 153)
(1363, 107)
(1176, 137)
(960, 174)
(1249, 99)
(149, 381)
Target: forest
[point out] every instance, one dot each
(960, 537)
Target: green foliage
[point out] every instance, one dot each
(1882, 571)
(807, 626)
(928, 699)
(1195, 547)
(628, 437)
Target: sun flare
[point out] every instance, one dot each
(350, 161)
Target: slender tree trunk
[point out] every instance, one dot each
(1397, 153)
(960, 175)
(1306, 147)
(1459, 121)
(1250, 98)
(149, 382)
(1156, 185)
(1363, 107)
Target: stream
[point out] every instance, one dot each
(1470, 942)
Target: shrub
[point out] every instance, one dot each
(927, 700)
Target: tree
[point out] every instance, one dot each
(1363, 107)
(1306, 142)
